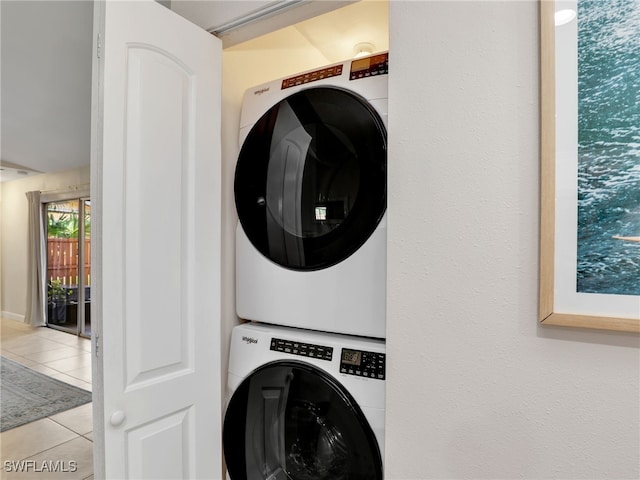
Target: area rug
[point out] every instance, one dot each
(27, 395)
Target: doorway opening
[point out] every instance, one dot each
(68, 224)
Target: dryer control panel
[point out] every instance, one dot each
(302, 349)
(369, 66)
(363, 364)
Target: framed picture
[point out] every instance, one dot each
(590, 164)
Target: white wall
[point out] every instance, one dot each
(13, 234)
(476, 389)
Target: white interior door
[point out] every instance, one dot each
(156, 198)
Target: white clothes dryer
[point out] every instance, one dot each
(311, 193)
(304, 405)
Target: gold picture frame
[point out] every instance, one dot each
(548, 312)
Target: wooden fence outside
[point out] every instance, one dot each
(62, 260)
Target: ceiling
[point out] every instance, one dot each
(337, 34)
(45, 85)
(46, 74)
(333, 34)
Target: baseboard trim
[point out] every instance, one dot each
(12, 316)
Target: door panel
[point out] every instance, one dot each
(160, 96)
(160, 449)
(158, 192)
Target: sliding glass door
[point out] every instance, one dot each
(69, 265)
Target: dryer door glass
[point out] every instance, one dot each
(289, 420)
(310, 185)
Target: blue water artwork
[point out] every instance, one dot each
(608, 147)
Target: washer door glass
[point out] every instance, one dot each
(310, 184)
(289, 420)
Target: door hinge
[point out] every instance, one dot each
(99, 46)
(97, 346)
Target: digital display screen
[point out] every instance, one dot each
(321, 213)
(360, 64)
(351, 357)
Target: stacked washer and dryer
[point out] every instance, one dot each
(307, 372)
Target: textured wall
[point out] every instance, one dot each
(476, 389)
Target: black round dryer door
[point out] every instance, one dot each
(311, 178)
(291, 421)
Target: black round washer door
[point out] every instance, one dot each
(291, 421)
(311, 178)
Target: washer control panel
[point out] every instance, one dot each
(363, 364)
(302, 349)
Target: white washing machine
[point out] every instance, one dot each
(304, 405)
(311, 194)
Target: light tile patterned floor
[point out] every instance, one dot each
(61, 442)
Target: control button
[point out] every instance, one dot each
(301, 349)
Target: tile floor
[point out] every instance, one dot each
(63, 441)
